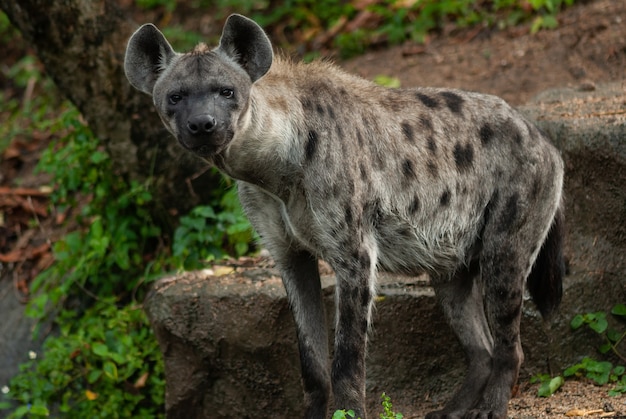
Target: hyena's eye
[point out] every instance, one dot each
(175, 98)
(227, 93)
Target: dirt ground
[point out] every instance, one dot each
(588, 48)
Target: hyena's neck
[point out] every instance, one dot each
(269, 145)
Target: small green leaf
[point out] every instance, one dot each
(549, 387)
(619, 370)
(40, 410)
(21, 411)
(570, 371)
(387, 81)
(600, 325)
(98, 157)
(100, 349)
(110, 370)
(604, 348)
(577, 321)
(619, 310)
(614, 335)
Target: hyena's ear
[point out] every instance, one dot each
(245, 42)
(148, 53)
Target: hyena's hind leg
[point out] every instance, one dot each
(506, 259)
(461, 300)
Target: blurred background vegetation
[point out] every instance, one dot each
(104, 242)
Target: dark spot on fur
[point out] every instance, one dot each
(486, 134)
(364, 260)
(432, 145)
(306, 103)
(348, 216)
(407, 168)
(512, 307)
(426, 123)
(373, 212)
(350, 188)
(365, 294)
(509, 214)
(359, 137)
(415, 205)
(488, 211)
(428, 101)
(432, 168)
(311, 145)
(463, 157)
(364, 172)
(534, 192)
(444, 199)
(405, 232)
(320, 109)
(331, 111)
(453, 101)
(379, 159)
(407, 129)
(517, 137)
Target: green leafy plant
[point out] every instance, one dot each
(601, 372)
(115, 227)
(387, 412)
(598, 323)
(205, 235)
(103, 364)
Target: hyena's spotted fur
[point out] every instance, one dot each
(331, 166)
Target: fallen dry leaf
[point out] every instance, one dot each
(582, 412)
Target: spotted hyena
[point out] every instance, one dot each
(331, 166)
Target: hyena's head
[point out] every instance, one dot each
(200, 95)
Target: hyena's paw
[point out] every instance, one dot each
(444, 414)
(485, 414)
(467, 414)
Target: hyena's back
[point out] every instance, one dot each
(423, 169)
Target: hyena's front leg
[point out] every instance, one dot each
(302, 282)
(301, 278)
(354, 294)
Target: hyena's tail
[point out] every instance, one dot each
(545, 282)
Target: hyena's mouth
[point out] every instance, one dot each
(202, 150)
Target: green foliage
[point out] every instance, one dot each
(103, 364)
(204, 235)
(387, 412)
(600, 372)
(392, 21)
(168, 5)
(31, 114)
(115, 222)
(598, 323)
(105, 361)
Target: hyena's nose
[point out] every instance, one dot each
(201, 124)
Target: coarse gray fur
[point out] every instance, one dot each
(331, 166)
